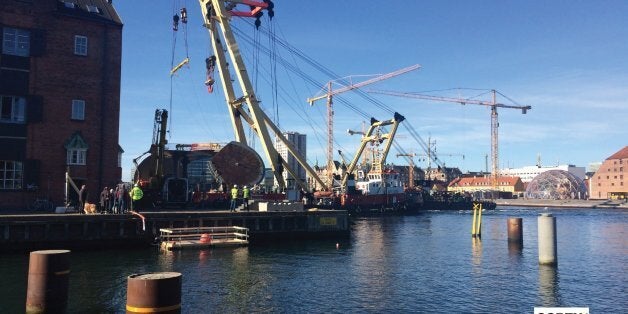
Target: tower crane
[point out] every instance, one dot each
(493, 104)
(330, 112)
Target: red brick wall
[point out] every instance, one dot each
(60, 76)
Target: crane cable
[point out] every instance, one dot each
(178, 15)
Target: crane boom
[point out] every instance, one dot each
(330, 112)
(216, 17)
(493, 104)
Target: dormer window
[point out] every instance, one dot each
(76, 150)
(92, 9)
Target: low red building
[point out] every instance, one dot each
(60, 98)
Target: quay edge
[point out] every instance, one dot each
(26, 232)
(574, 203)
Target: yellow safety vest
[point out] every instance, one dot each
(234, 193)
(245, 193)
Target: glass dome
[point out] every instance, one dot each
(556, 185)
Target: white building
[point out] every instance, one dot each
(299, 141)
(529, 172)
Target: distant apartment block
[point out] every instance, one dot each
(299, 141)
(610, 181)
(528, 173)
(59, 98)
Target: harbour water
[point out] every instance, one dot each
(427, 263)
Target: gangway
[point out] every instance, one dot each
(203, 237)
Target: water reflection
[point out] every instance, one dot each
(549, 291)
(476, 252)
(515, 249)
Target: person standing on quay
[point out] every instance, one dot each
(104, 201)
(245, 197)
(120, 196)
(234, 198)
(136, 196)
(83, 198)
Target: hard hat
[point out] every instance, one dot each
(245, 186)
(135, 184)
(235, 185)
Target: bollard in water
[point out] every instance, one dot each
(48, 279)
(154, 293)
(547, 240)
(515, 230)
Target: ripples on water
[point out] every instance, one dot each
(423, 263)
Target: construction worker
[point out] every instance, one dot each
(245, 197)
(136, 195)
(234, 198)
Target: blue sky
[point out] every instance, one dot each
(566, 59)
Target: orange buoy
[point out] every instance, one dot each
(206, 238)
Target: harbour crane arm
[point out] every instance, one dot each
(364, 83)
(462, 101)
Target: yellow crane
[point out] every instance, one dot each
(493, 104)
(329, 93)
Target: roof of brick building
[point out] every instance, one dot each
(90, 9)
(621, 154)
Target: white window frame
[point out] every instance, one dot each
(11, 174)
(80, 45)
(78, 109)
(16, 41)
(17, 110)
(77, 156)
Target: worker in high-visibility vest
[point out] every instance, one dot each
(136, 196)
(234, 198)
(245, 197)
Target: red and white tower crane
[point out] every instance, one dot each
(493, 104)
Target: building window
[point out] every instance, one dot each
(76, 150)
(16, 42)
(78, 109)
(80, 45)
(12, 109)
(77, 156)
(10, 175)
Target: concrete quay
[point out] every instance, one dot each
(522, 202)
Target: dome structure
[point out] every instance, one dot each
(556, 185)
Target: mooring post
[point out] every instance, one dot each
(515, 230)
(154, 293)
(48, 280)
(476, 228)
(547, 239)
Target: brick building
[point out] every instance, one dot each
(610, 181)
(60, 98)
